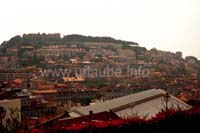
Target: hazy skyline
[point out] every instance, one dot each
(170, 25)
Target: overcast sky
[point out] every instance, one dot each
(171, 25)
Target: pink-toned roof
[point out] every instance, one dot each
(46, 86)
(45, 91)
(18, 81)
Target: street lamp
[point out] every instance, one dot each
(166, 98)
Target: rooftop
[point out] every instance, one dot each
(147, 102)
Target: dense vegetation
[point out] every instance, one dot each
(96, 83)
(81, 38)
(175, 122)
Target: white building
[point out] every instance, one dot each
(144, 104)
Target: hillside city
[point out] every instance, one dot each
(46, 77)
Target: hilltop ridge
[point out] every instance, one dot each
(38, 40)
